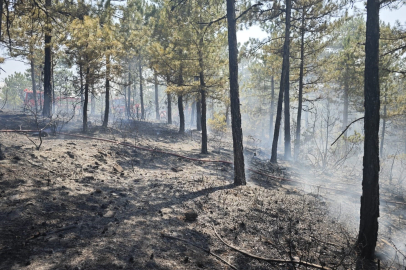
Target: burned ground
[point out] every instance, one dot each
(80, 203)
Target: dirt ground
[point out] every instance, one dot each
(79, 203)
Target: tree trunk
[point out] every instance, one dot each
(47, 109)
(192, 117)
(203, 118)
(274, 154)
(107, 104)
(239, 168)
(227, 115)
(141, 93)
(34, 87)
(198, 115)
(285, 79)
(81, 88)
(346, 90)
(272, 106)
(180, 104)
(86, 100)
(368, 230)
(181, 115)
(169, 108)
(129, 106)
(157, 116)
(300, 103)
(383, 128)
(93, 104)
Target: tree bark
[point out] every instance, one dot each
(383, 128)
(198, 115)
(272, 106)
(141, 92)
(368, 230)
(86, 100)
(181, 115)
(285, 79)
(47, 109)
(300, 102)
(129, 106)
(274, 154)
(157, 116)
(107, 101)
(34, 87)
(169, 108)
(239, 168)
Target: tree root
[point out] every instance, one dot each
(199, 247)
(271, 260)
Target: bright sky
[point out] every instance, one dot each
(391, 16)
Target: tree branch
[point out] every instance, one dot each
(346, 129)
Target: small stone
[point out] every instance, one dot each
(70, 154)
(98, 190)
(110, 214)
(191, 216)
(118, 168)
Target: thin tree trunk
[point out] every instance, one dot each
(86, 100)
(107, 101)
(169, 108)
(141, 92)
(285, 78)
(227, 115)
(192, 118)
(368, 230)
(203, 118)
(300, 103)
(239, 168)
(383, 128)
(129, 104)
(181, 115)
(272, 106)
(157, 116)
(198, 115)
(81, 87)
(47, 110)
(180, 105)
(274, 154)
(34, 87)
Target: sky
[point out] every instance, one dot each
(390, 16)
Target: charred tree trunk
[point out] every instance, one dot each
(300, 103)
(180, 105)
(368, 230)
(285, 79)
(107, 104)
(181, 115)
(34, 87)
(141, 93)
(47, 109)
(383, 128)
(283, 93)
(81, 88)
(272, 106)
(129, 106)
(239, 168)
(157, 116)
(274, 154)
(198, 115)
(86, 100)
(169, 108)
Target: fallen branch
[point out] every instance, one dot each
(346, 130)
(199, 247)
(271, 260)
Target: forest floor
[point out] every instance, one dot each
(82, 203)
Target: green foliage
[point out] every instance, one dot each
(13, 92)
(218, 123)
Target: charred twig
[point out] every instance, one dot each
(199, 247)
(346, 130)
(271, 260)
